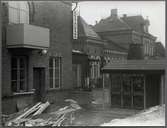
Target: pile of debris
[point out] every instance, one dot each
(30, 117)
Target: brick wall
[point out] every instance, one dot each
(57, 16)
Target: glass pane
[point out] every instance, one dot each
(138, 84)
(57, 73)
(13, 15)
(116, 83)
(24, 17)
(14, 63)
(22, 85)
(116, 100)
(138, 102)
(14, 74)
(14, 86)
(23, 5)
(22, 74)
(56, 83)
(22, 63)
(51, 62)
(51, 83)
(127, 100)
(126, 84)
(51, 73)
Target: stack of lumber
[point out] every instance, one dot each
(60, 117)
(27, 115)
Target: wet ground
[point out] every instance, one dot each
(91, 116)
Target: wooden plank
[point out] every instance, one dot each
(35, 107)
(42, 107)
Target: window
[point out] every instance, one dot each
(95, 70)
(18, 12)
(19, 74)
(55, 70)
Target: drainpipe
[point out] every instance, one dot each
(76, 5)
(103, 91)
(0, 63)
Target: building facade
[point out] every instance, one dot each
(36, 65)
(129, 79)
(127, 30)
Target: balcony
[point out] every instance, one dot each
(27, 36)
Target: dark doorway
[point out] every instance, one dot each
(39, 84)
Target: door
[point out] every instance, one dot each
(39, 84)
(138, 82)
(116, 90)
(127, 90)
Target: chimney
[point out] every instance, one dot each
(147, 23)
(113, 13)
(135, 52)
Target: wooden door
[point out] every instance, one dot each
(39, 84)
(138, 82)
(116, 90)
(127, 91)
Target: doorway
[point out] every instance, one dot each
(39, 84)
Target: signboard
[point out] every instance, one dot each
(75, 24)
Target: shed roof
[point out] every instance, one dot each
(119, 65)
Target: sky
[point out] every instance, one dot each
(93, 11)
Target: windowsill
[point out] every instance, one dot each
(54, 89)
(23, 93)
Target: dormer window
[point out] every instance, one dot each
(18, 12)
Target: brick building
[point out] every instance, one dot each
(36, 64)
(129, 79)
(126, 31)
(91, 45)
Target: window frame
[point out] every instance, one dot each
(19, 12)
(18, 74)
(55, 67)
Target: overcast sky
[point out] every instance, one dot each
(93, 11)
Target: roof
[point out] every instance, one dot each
(111, 24)
(114, 46)
(86, 30)
(122, 65)
(134, 22)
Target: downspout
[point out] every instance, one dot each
(0, 63)
(76, 5)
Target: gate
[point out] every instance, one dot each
(127, 90)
